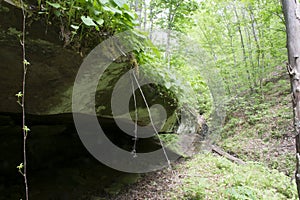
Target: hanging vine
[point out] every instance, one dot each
(21, 101)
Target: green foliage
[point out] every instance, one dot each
(171, 142)
(173, 14)
(85, 20)
(240, 193)
(85, 23)
(178, 81)
(26, 129)
(20, 167)
(167, 64)
(182, 79)
(19, 95)
(245, 39)
(213, 177)
(26, 62)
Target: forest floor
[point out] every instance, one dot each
(258, 131)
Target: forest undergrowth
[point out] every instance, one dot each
(258, 130)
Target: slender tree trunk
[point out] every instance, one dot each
(250, 54)
(243, 46)
(233, 82)
(263, 63)
(145, 14)
(138, 11)
(213, 54)
(171, 18)
(292, 21)
(258, 49)
(170, 24)
(151, 19)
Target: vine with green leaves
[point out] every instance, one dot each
(22, 168)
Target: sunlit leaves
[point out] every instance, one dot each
(74, 27)
(168, 85)
(20, 167)
(120, 3)
(54, 5)
(99, 21)
(26, 129)
(25, 62)
(173, 14)
(85, 16)
(19, 95)
(104, 1)
(88, 21)
(112, 10)
(221, 28)
(131, 14)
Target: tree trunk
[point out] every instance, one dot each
(239, 27)
(257, 71)
(170, 24)
(291, 15)
(138, 11)
(151, 7)
(145, 14)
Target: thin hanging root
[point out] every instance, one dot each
(152, 123)
(177, 178)
(136, 118)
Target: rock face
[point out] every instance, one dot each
(49, 87)
(52, 72)
(59, 166)
(53, 141)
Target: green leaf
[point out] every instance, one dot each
(119, 3)
(77, 7)
(126, 6)
(100, 22)
(113, 10)
(131, 14)
(20, 166)
(57, 13)
(168, 85)
(19, 95)
(88, 21)
(55, 5)
(139, 34)
(26, 62)
(136, 22)
(96, 12)
(26, 129)
(103, 1)
(75, 27)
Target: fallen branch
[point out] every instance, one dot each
(219, 151)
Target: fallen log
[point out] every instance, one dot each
(218, 150)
